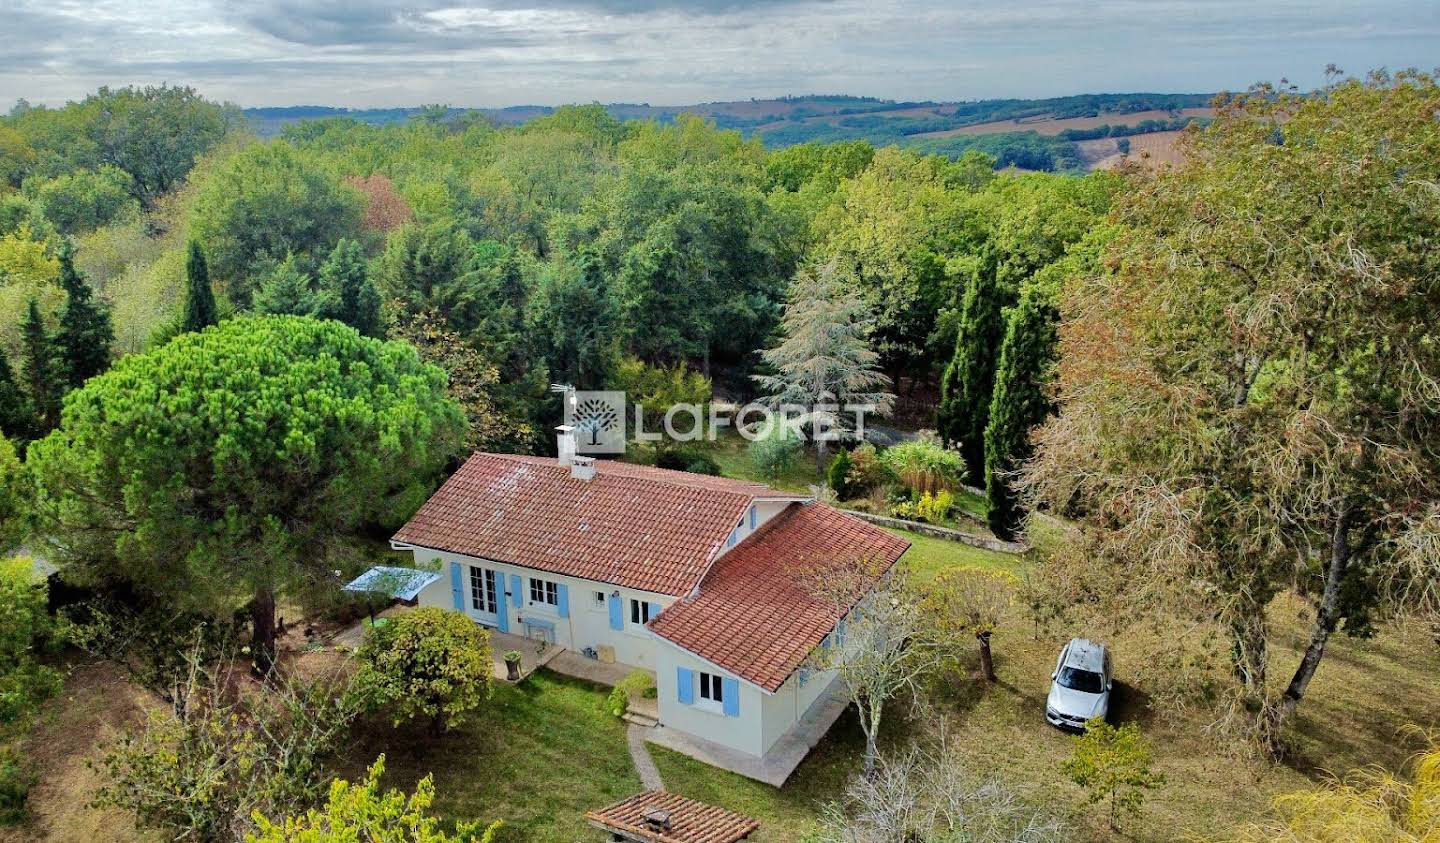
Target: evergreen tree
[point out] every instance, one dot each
(346, 292)
(41, 364)
(1020, 400)
(824, 358)
(16, 417)
(200, 309)
(965, 390)
(85, 334)
(285, 291)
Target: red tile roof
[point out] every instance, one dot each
(755, 616)
(690, 821)
(632, 526)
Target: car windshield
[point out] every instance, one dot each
(1085, 681)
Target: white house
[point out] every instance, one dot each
(696, 578)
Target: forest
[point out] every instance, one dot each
(1195, 406)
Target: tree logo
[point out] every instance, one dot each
(599, 422)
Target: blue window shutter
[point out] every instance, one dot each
(617, 616)
(562, 593)
(515, 591)
(731, 693)
(685, 685)
(503, 611)
(654, 610)
(804, 676)
(752, 517)
(457, 592)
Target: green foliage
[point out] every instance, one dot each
(285, 290)
(838, 474)
(923, 466)
(658, 388)
(200, 310)
(26, 631)
(346, 292)
(15, 784)
(17, 419)
(1113, 765)
(235, 461)
(203, 770)
(14, 497)
(43, 368)
(354, 812)
(263, 203)
(153, 134)
(932, 509)
(867, 472)
(428, 662)
(573, 318)
(85, 200)
(775, 450)
(85, 334)
(635, 684)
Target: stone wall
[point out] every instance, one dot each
(946, 533)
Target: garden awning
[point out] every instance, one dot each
(401, 583)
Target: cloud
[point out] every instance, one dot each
(502, 52)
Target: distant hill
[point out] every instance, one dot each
(1039, 134)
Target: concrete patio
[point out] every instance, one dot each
(782, 759)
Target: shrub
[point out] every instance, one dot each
(866, 471)
(838, 475)
(686, 459)
(429, 661)
(354, 812)
(775, 451)
(1113, 764)
(636, 684)
(26, 629)
(932, 509)
(15, 782)
(924, 466)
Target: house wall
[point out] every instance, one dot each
(743, 732)
(758, 513)
(586, 625)
(783, 709)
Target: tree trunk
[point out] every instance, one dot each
(1327, 617)
(822, 448)
(1251, 653)
(870, 725)
(987, 663)
(262, 637)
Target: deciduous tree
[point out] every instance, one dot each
(970, 602)
(429, 662)
(1246, 401)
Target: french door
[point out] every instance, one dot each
(484, 595)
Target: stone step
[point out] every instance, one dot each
(638, 719)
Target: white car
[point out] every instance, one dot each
(1080, 685)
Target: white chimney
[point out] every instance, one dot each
(582, 468)
(565, 444)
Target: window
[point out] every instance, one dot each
(482, 590)
(599, 599)
(544, 591)
(639, 612)
(712, 689)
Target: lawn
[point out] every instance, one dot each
(540, 755)
(928, 556)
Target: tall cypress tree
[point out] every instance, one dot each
(41, 364)
(200, 309)
(85, 334)
(17, 420)
(348, 293)
(965, 390)
(1020, 400)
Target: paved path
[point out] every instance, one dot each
(644, 764)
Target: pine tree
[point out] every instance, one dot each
(285, 291)
(1020, 400)
(41, 365)
(17, 420)
(85, 334)
(824, 358)
(200, 309)
(347, 293)
(965, 391)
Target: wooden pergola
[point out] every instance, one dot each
(657, 816)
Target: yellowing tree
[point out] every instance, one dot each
(1369, 806)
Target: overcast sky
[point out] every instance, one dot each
(363, 53)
